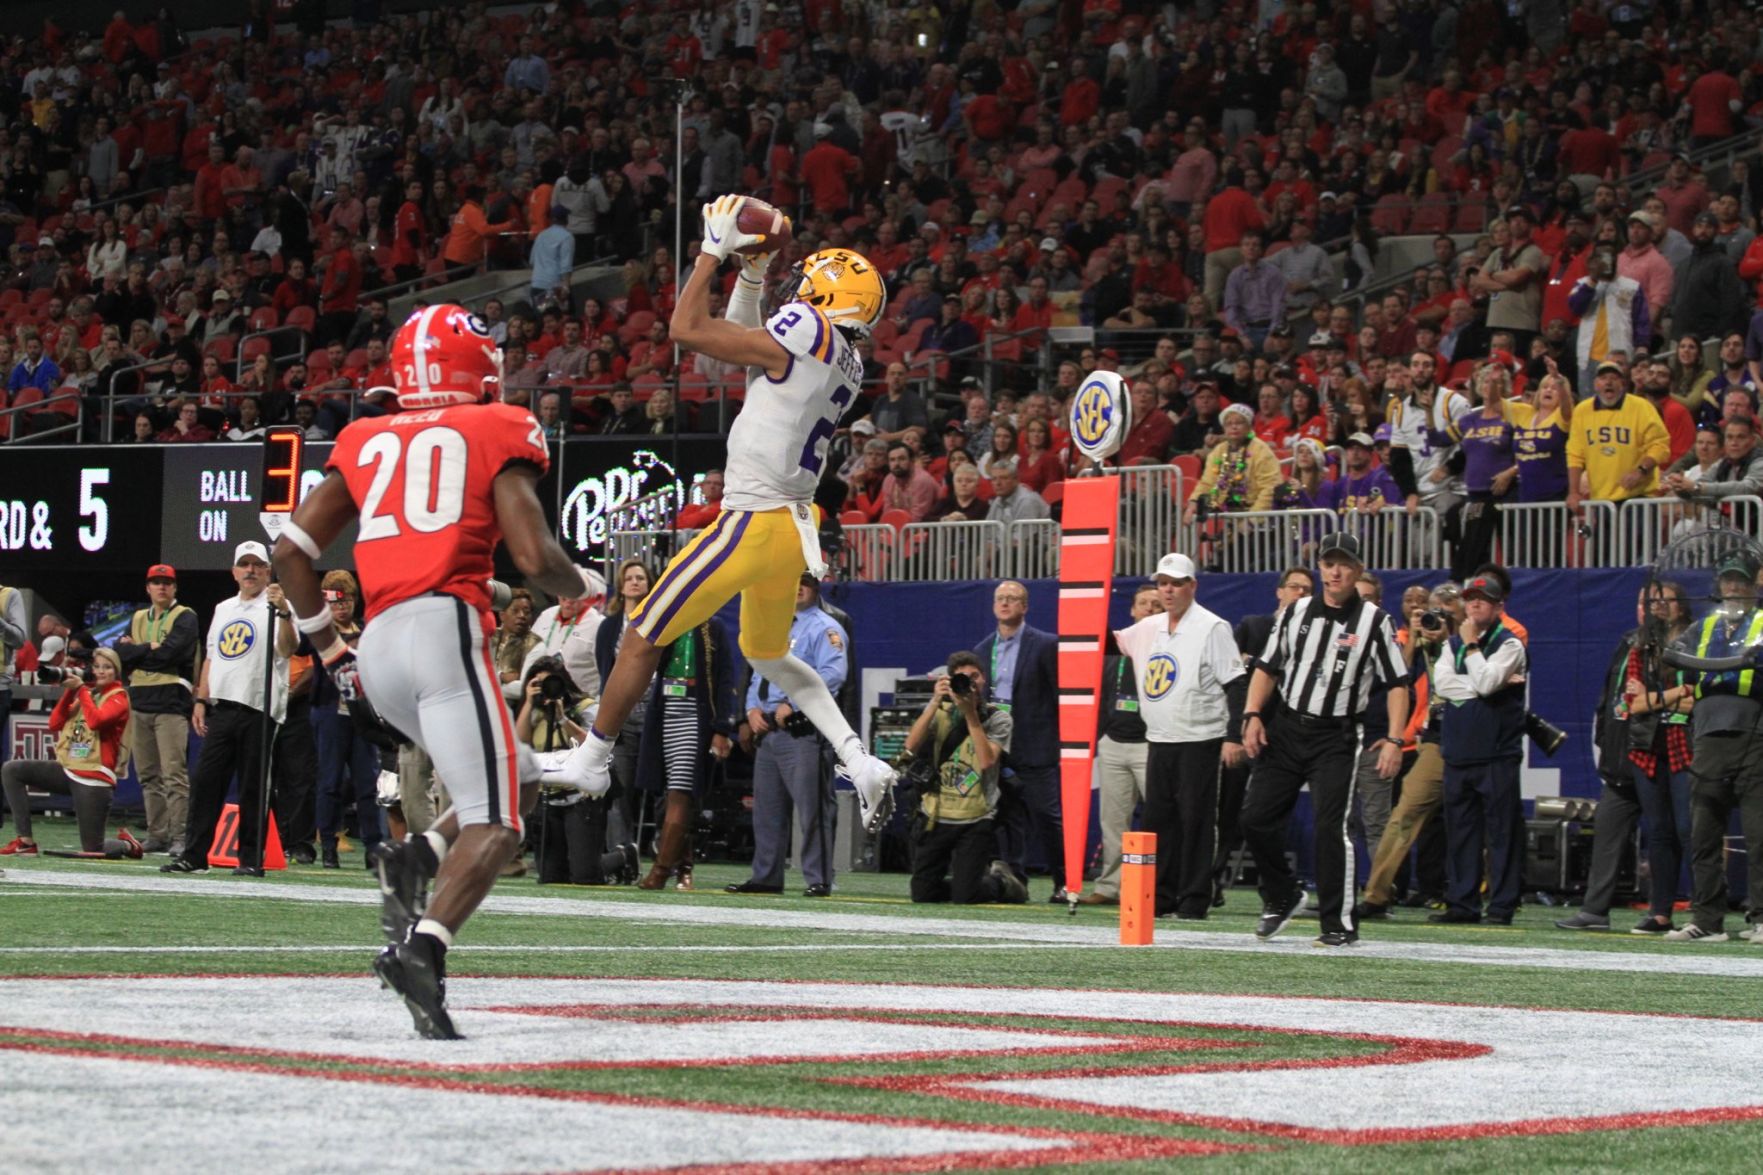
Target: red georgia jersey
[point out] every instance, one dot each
(422, 482)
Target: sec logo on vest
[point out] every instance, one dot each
(236, 639)
(1161, 674)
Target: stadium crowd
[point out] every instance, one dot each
(1205, 187)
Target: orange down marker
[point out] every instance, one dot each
(1138, 888)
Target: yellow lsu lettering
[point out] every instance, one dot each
(1161, 674)
(236, 639)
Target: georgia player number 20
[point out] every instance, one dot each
(433, 463)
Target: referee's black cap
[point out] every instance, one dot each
(1341, 545)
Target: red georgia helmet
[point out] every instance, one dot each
(444, 355)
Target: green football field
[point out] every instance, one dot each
(860, 1032)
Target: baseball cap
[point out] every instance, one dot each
(1485, 586)
(221, 296)
(45, 242)
(1383, 433)
(162, 571)
(1049, 245)
(952, 425)
(1176, 566)
(1320, 339)
(866, 427)
(1642, 215)
(1608, 366)
(251, 548)
(1520, 210)
(1328, 196)
(53, 647)
(1361, 438)
(1707, 218)
(1738, 563)
(1342, 544)
(1282, 331)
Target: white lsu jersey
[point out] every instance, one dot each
(777, 446)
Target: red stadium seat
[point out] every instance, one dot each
(264, 318)
(304, 317)
(1389, 216)
(223, 348)
(1472, 214)
(1433, 214)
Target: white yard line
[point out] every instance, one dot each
(1736, 960)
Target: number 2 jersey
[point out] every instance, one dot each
(422, 482)
(778, 443)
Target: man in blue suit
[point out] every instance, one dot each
(1022, 664)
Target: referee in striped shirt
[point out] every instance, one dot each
(1324, 656)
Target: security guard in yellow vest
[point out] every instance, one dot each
(159, 654)
(1727, 752)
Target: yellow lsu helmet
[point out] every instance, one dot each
(844, 286)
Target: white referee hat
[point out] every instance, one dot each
(1176, 567)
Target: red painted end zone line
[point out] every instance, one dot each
(1086, 1146)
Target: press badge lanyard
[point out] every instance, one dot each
(1463, 653)
(1004, 706)
(1130, 705)
(568, 627)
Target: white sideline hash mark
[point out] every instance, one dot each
(1736, 962)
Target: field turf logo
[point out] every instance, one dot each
(736, 1075)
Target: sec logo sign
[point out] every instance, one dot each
(1161, 674)
(1101, 415)
(236, 639)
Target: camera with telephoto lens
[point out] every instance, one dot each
(554, 686)
(1545, 734)
(78, 667)
(1435, 620)
(960, 684)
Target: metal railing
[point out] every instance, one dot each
(1150, 512)
(24, 423)
(952, 550)
(1395, 540)
(1252, 541)
(871, 552)
(1547, 534)
(1034, 548)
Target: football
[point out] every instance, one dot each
(756, 216)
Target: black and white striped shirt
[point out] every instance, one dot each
(1328, 659)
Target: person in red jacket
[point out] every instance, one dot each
(698, 515)
(827, 169)
(1229, 214)
(90, 724)
(210, 196)
(339, 298)
(410, 237)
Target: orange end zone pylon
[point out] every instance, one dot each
(1138, 888)
(1086, 580)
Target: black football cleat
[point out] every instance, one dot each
(408, 970)
(404, 882)
(1276, 915)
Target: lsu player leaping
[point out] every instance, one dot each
(803, 371)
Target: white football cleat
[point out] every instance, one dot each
(575, 769)
(873, 780)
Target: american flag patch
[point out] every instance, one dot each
(1350, 641)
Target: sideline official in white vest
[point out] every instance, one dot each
(1191, 684)
(229, 710)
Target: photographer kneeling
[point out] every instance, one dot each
(957, 748)
(90, 723)
(554, 716)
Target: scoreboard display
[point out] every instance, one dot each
(121, 508)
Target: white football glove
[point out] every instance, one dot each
(721, 235)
